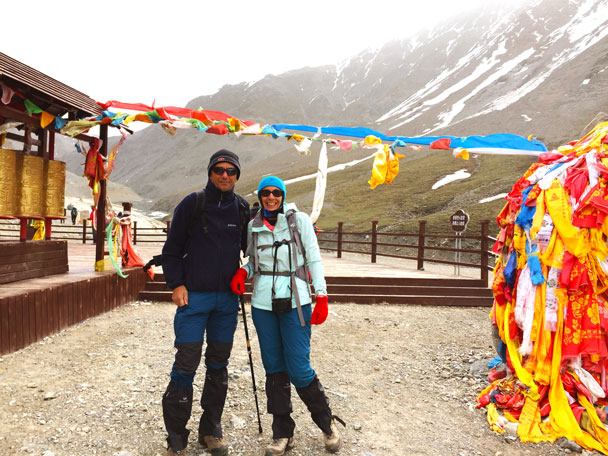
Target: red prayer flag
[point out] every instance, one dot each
(219, 129)
(441, 143)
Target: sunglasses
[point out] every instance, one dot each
(266, 193)
(220, 171)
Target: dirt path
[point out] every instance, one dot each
(400, 376)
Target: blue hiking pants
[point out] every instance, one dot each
(216, 313)
(285, 345)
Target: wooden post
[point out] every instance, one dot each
(22, 229)
(134, 232)
(48, 225)
(484, 251)
(84, 231)
(421, 228)
(168, 226)
(101, 204)
(43, 150)
(374, 239)
(340, 225)
(51, 144)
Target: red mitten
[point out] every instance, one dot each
(237, 284)
(319, 315)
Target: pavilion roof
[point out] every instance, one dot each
(45, 92)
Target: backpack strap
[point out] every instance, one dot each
(299, 271)
(244, 217)
(292, 222)
(199, 214)
(252, 248)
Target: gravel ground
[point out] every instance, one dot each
(403, 378)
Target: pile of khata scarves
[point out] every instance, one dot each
(550, 308)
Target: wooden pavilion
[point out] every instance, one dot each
(33, 107)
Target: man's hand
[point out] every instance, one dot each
(180, 296)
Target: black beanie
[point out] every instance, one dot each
(224, 155)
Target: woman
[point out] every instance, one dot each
(282, 311)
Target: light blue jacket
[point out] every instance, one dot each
(262, 291)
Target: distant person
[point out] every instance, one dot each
(65, 213)
(282, 312)
(201, 254)
(92, 216)
(254, 209)
(74, 215)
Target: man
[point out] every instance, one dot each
(201, 255)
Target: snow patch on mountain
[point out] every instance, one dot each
(493, 198)
(458, 175)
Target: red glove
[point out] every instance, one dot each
(319, 315)
(238, 281)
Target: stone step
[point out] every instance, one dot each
(375, 290)
(424, 300)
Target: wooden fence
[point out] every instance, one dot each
(420, 246)
(82, 232)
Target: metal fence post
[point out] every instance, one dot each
(84, 231)
(421, 228)
(484, 250)
(340, 224)
(135, 232)
(374, 239)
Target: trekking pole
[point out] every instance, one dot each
(255, 391)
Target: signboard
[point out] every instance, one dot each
(459, 221)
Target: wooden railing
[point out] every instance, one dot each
(150, 234)
(10, 230)
(420, 246)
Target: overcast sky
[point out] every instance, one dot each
(172, 52)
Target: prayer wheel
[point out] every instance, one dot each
(54, 188)
(30, 186)
(30, 179)
(8, 182)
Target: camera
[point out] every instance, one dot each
(281, 304)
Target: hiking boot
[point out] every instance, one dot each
(279, 446)
(215, 446)
(333, 442)
(172, 452)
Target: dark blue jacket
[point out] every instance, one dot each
(203, 262)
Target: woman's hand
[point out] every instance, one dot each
(319, 314)
(237, 284)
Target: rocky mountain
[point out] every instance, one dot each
(536, 67)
